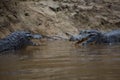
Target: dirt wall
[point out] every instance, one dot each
(58, 17)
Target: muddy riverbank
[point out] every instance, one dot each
(58, 17)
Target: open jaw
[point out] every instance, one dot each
(83, 39)
(79, 37)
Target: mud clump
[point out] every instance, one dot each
(58, 17)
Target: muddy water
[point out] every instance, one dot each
(61, 60)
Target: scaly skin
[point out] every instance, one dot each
(94, 36)
(17, 40)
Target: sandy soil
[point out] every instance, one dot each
(58, 17)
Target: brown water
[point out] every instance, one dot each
(61, 60)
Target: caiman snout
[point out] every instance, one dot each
(71, 38)
(75, 38)
(79, 37)
(36, 36)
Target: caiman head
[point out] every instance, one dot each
(26, 37)
(29, 35)
(85, 35)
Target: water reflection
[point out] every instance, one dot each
(61, 60)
